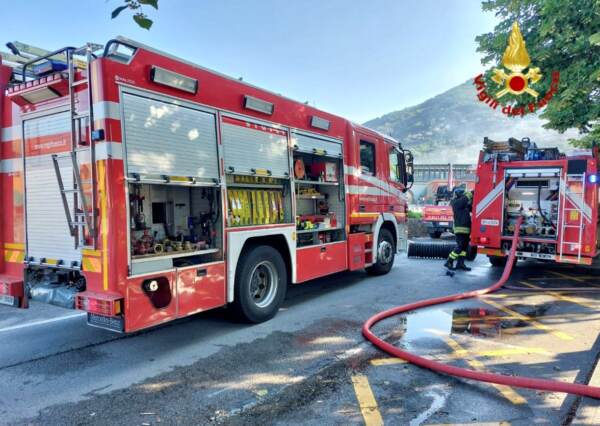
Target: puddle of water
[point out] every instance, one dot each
(427, 326)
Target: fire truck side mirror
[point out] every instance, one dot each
(410, 178)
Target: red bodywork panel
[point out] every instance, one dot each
(356, 251)
(320, 260)
(191, 290)
(437, 213)
(200, 288)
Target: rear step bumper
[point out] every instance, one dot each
(583, 260)
(12, 291)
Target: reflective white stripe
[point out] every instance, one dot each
(577, 200)
(107, 110)
(536, 172)
(106, 150)
(11, 165)
(488, 199)
(384, 186)
(580, 204)
(362, 189)
(10, 133)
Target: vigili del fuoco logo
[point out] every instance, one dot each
(512, 78)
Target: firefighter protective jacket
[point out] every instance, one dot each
(461, 209)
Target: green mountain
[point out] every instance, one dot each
(450, 127)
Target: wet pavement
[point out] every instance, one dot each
(310, 365)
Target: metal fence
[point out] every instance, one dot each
(424, 173)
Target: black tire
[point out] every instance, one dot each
(498, 261)
(386, 261)
(435, 234)
(260, 271)
(471, 253)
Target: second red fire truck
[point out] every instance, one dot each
(556, 194)
(142, 188)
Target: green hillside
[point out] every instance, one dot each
(450, 127)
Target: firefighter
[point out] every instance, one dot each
(461, 209)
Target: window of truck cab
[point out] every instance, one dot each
(367, 158)
(397, 165)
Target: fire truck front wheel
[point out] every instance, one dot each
(498, 261)
(386, 251)
(260, 284)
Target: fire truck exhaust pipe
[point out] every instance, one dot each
(524, 382)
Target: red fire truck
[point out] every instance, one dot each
(142, 188)
(557, 195)
(438, 216)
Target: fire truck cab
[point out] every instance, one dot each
(556, 194)
(142, 188)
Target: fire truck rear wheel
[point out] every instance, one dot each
(260, 284)
(498, 261)
(472, 253)
(386, 252)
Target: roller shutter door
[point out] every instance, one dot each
(250, 146)
(312, 145)
(48, 233)
(164, 138)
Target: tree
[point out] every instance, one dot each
(136, 6)
(560, 35)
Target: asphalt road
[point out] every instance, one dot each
(310, 365)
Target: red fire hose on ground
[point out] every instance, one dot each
(524, 382)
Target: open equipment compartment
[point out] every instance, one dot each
(174, 226)
(257, 200)
(535, 195)
(171, 160)
(257, 174)
(319, 189)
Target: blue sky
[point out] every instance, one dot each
(354, 58)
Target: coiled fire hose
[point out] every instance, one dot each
(517, 381)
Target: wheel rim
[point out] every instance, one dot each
(263, 284)
(385, 252)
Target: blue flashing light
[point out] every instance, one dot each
(48, 67)
(593, 178)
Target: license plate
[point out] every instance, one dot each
(8, 300)
(444, 223)
(108, 323)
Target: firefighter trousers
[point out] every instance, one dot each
(462, 245)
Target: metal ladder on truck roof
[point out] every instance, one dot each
(577, 201)
(82, 221)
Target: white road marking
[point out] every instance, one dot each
(48, 321)
(439, 396)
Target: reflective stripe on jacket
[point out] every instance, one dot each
(462, 230)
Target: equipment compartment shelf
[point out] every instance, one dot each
(308, 231)
(171, 255)
(310, 197)
(254, 185)
(315, 182)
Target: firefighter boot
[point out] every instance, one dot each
(460, 264)
(449, 264)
